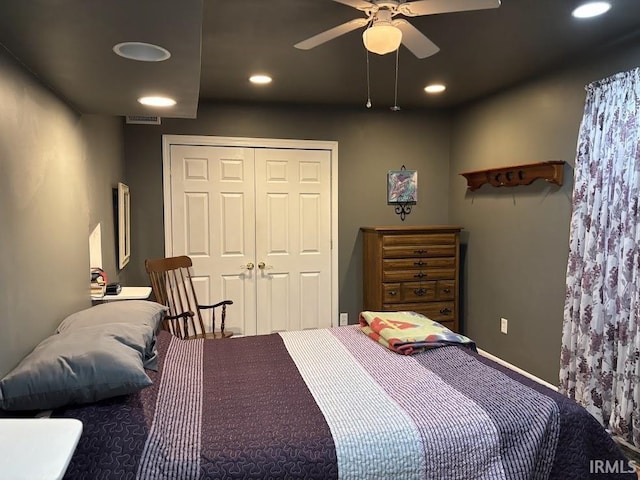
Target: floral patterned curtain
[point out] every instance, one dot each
(600, 358)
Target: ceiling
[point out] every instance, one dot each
(217, 44)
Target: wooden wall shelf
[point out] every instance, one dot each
(516, 175)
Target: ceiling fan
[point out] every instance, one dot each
(384, 33)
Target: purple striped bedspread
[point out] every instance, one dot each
(333, 404)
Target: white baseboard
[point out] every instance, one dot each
(623, 442)
(516, 369)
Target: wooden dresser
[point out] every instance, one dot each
(413, 268)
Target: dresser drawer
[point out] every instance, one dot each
(419, 251)
(445, 290)
(418, 275)
(438, 311)
(418, 263)
(419, 239)
(409, 292)
(392, 293)
(418, 291)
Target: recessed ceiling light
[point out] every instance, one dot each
(260, 79)
(435, 88)
(142, 52)
(157, 101)
(591, 9)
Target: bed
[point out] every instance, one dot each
(332, 403)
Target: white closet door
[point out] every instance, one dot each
(257, 224)
(293, 239)
(213, 222)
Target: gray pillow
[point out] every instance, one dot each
(138, 312)
(79, 366)
(119, 311)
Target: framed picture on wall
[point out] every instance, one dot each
(123, 208)
(402, 186)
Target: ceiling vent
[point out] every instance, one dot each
(143, 119)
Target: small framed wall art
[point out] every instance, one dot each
(123, 208)
(402, 190)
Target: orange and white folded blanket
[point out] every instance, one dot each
(409, 332)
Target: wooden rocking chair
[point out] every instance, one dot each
(172, 286)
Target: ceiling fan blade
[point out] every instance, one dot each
(433, 7)
(359, 4)
(331, 34)
(415, 41)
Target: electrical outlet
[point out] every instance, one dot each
(504, 325)
(344, 319)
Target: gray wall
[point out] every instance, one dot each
(103, 137)
(516, 239)
(56, 169)
(370, 144)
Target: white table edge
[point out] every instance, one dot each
(25, 435)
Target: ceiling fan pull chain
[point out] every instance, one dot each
(395, 107)
(368, 104)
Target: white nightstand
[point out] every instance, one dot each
(39, 448)
(126, 293)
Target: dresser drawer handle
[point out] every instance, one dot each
(420, 275)
(420, 263)
(420, 252)
(446, 290)
(393, 293)
(420, 291)
(445, 311)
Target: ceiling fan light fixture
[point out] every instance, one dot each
(591, 9)
(382, 38)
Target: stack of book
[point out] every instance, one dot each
(98, 283)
